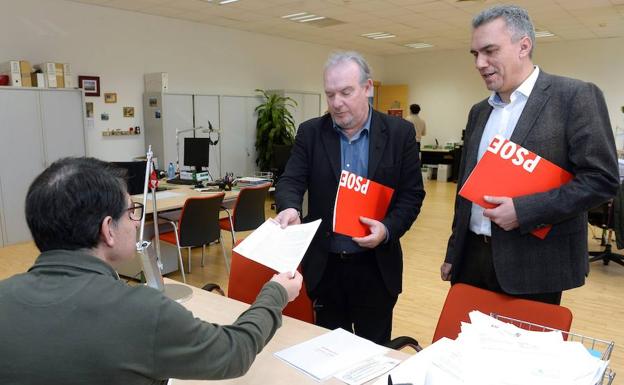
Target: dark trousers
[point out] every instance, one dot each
(353, 296)
(477, 269)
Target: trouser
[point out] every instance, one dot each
(477, 269)
(352, 295)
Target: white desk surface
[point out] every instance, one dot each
(266, 369)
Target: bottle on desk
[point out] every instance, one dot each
(171, 171)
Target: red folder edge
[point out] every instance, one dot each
(495, 176)
(375, 208)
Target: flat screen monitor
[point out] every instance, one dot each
(136, 175)
(197, 152)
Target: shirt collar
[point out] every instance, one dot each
(365, 127)
(524, 89)
(74, 259)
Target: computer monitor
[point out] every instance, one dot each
(197, 152)
(135, 173)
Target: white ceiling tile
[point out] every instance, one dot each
(444, 22)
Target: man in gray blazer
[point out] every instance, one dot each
(561, 119)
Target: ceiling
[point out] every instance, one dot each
(443, 23)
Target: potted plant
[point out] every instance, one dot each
(275, 127)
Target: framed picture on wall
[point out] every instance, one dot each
(110, 97)
(90, 85)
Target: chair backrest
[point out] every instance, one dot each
(199, 220)
(247, 278)
(462, 299)
(249, 208)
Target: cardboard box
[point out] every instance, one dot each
(60, 77)
(12, 68)
(156, 82)
(37, 79)
(68, 75)
(49, 71)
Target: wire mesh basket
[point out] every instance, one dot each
(597, 347)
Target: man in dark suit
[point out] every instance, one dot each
(354, 282)
(561, 119)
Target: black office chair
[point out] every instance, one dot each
(248, 211)
(197, 224)
(603, 216)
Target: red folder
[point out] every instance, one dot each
(508, 169)
(359, 197)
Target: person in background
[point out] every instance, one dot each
(560, 119)
(419, 125)
(71, 320)
(354, 282)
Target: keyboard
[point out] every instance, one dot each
(181, 181)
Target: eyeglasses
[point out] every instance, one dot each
(135, 211)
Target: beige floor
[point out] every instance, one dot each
(598, 307)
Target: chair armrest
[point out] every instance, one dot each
(214, 288)
(402, 342)
(170, 216)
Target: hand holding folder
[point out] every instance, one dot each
(509, 170)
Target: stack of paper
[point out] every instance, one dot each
(489, 351)
(337, 351)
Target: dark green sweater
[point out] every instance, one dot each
(70, 320)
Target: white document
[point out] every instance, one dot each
(335, 351)
(280, 249)
(163, 195)
(367, 370)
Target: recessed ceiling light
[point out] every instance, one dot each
(303, 17)
(543, 33)
(419, 45)
(377, 35)
(227, 1)
(312, 19)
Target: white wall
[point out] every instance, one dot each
(446, 84)
(121, 46)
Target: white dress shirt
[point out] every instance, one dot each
(502, 121)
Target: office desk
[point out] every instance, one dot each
(266, 369)
(437, 156)
(174, 198)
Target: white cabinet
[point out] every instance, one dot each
(37, 127)
(308, 104)
(166, 113)
(234, 115)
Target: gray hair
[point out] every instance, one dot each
(344, 56)
(517, 19)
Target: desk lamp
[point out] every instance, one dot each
(152, 264)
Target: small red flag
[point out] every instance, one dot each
(153, 180)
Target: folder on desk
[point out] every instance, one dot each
(507, 169)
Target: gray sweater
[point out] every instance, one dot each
(70, 320)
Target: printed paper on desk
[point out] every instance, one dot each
(359, 197)
(329, 353)
(280, 249)
(507, 169)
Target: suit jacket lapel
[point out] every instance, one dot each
(537, 100)
(377, 143)
(472, 150)
(331, 143)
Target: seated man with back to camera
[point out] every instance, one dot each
(71, 320)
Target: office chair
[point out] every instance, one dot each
(246, 280)
(248, 211)
(462, 299)
(603, 216)
(197, 224)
